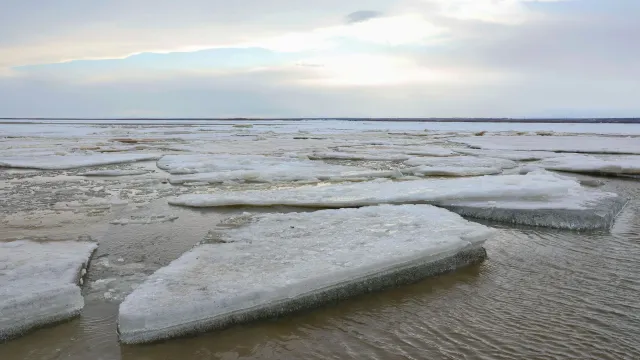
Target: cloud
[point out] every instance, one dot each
(362, 15)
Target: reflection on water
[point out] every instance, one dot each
(541, 294)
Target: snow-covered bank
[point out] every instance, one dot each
(529, 193)
(39, 283)
(56, 162)
(274, 264)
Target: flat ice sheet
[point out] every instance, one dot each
(525, 193)
(277, 263)
(533, 186)
(39, 283)
(286, 173)
(55, 162)
(611, 165)
(509, 155)
(577, 144)
(207, 163)
(256, 168)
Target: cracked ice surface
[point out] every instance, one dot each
(577, 144)
(39, 283)
(277, 263)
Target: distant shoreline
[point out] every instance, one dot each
(470, 120)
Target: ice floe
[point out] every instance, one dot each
(457, 166)
(254, 168)
(608, 165)
(531, 192)
(577, 144)
(509, 155)
(55, 162)
(274, 264)
(290, 172)
(381, 153)
(39, 283)
(204, 163)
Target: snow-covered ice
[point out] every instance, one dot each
(534, 191)
(509, 155)
(274, 264)
(39, 283)
(577, 144)
(609, 165)
(55, 162)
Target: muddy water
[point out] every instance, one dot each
(541, 294)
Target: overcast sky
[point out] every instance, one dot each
(294, 58)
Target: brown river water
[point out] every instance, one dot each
(541, 294)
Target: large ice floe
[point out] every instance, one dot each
(576, 144)
(381, 153)
(606, 165)
(39, 283)
(255, 168)
(509, 155)
(55, 162)
(274, 264)
(539, 198)
(457, 166)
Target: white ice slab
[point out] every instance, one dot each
(610, 165)
(286, 173)
(72, 161)
(532, 185)
(534, 191)
(255, 168)
(578, 144)
(275, 264)
(39, 283)
(204, 163)
(461, 162)
(509, 155)
(457, 166)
